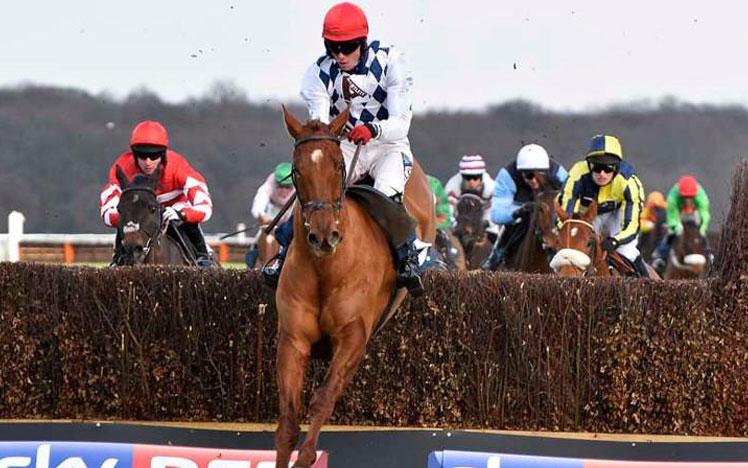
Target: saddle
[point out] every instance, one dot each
(389, 215)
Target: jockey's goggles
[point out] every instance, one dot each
(151, 156)
(529, 175)
(472, 176)
(345, 47)
(597, 168)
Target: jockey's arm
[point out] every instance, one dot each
(315, 95)
(195, 189)
(673, 210)
(452, 188)
(109, 199)
(398, 84)
(570, 191)
(502, 203)
(262, 198)
(630, 211)
(702, 206)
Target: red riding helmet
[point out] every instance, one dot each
(149, 132)
(688, 187)
(344, 22)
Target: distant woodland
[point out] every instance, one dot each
(56, 146)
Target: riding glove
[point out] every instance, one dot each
(610, 244)
(362, 134)
(169, 215)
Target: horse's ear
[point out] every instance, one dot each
(293, 126)
(121, 178)
(337, 125)
(591, 212)
(560, 212)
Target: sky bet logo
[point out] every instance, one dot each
(105, 455)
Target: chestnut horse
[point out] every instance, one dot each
(338, 281)
(580, 248)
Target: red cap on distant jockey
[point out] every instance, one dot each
(344, 22)
(688, 186)
(149, 132)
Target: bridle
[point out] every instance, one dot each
(152, 237)
(592, 267)
(315, 205)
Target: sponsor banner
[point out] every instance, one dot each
(459, 459)
(112, 455)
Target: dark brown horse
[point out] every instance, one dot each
(338, 280)
(470, 229)
(531, 254)
(143, 235)
(688, 252)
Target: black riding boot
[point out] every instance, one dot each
(641, 267)
(408, 268)
(284, 235)
(195, 236)
(494, 261)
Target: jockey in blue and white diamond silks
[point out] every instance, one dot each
(375, 83)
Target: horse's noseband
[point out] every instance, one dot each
(316, 205)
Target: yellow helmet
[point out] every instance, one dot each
(605, 149)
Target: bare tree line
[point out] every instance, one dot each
(56, 146)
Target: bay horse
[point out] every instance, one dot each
(688, 251)
(140, 227)
(338, 282)
(580, 248)
(470, 229)
(530, 254)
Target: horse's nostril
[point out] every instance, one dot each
(313, 239)
(335, 238)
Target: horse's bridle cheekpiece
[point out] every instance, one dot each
(314, 205)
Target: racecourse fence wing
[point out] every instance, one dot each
(504, 351)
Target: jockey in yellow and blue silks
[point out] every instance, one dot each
(604, 177)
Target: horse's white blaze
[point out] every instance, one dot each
(269, 239)
(694, 260)
(317, 155)
(570, 257)
(574, 232)
(132, 226)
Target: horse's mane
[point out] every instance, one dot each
(316, 125)
(140, 180)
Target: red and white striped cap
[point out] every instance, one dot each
(472, 164)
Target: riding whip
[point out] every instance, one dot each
(269, 228)
(254, 226)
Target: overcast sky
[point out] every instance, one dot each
(570, 55)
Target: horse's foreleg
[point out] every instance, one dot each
(292, 363)
(348, 350)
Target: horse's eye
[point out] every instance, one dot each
(590, 243)
(153, 208)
